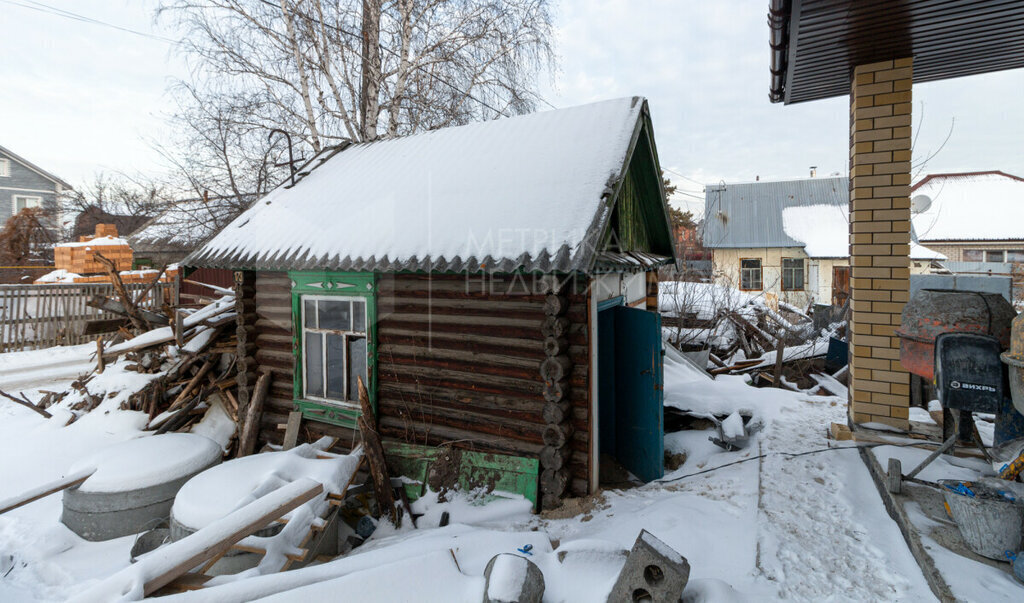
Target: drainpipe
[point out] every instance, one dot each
(778, 40)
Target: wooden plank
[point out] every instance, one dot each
(95, 327)
(185, 555)
(45, 490)
(291, 432)
(375, 457)
(251, 427)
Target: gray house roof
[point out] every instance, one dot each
(35, 168)
(750, 214)
(812, 214)
(534, 193)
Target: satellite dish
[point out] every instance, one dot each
(920, 204)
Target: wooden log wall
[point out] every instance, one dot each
(269, 326)
(460, 361)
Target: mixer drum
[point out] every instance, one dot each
(932, 312)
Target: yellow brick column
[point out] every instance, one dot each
(880, 108)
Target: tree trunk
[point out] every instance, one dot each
(369, 84)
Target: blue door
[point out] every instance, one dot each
(633, 338)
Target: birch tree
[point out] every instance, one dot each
(328, 71)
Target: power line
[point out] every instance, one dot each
(59, 12)
(682, 176)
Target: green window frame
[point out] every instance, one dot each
(314, 296)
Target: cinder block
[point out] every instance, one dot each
(653, 572)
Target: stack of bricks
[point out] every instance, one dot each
(80, 258)
(134, 276)
(880, 110)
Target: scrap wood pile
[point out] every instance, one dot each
(743, 334)
(174, 366)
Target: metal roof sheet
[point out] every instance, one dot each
(815, 44)
(750, 214)
(529, 193)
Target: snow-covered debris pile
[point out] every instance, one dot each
(175, 374)
(733, 324)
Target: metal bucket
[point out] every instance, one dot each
(1014, 358)
(991, 520)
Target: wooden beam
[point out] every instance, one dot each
(191, 551)
(250, 429)
(291, 431)
(45, 490)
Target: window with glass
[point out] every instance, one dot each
(333, 347)
(5, 168)
(1015, 255)
(792, 274)
(23, 201)
(750, 275)
(974, 255)
(994, 255)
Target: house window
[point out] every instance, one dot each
(5, 168)
(1015, 255)
(974, 255)
(792, 274)
(750, 275)
(994, 255)
(334, 347)
(20, 202)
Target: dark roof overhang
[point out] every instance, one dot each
(815, 44)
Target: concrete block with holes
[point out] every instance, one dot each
(653, 572)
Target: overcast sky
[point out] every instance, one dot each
(80, 98)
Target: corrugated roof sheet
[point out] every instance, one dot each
(523, 193)
(813, 214)
(629, 261)
(750, 214)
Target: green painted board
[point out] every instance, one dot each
(496, 471)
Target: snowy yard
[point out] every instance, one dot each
(809, 527)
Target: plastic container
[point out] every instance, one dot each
(991, 520)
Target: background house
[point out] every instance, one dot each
(181, 228)
(24, 184)
(788, 239)
(970, 217)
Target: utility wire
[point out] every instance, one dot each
(682, 176)
(59, 12)
(785, 454)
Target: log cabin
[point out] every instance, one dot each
(495, 284)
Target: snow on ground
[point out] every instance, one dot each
(803, 528)
(40, 368)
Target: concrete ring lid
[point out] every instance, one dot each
(142, 471)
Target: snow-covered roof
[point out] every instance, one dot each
(970, 206)
(749, 214)
(97, 242)
(824, 232)
(812, 213)
(522, 193)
